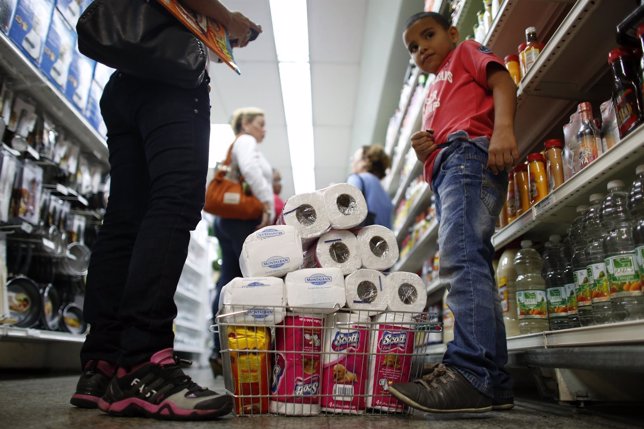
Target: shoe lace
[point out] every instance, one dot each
(179, 378)
(437, 374)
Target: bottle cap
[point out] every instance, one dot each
(640, 30)
(582, 208)
(530, 30)
(510, 58)
(595, 198)
(555, 238)
(522, 166)
(526, 243)
(536, 157)
(553, 143)
(616, 54)
(615, 184)
(584, 106)
(639, 169)
(521, 47)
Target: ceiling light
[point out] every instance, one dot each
(290, 28)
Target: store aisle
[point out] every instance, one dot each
(41, 401)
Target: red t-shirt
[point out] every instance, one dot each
(459, 98)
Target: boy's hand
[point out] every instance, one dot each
(242, 30)
(423, 144)
(503, 152)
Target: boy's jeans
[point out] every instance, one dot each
(469, 198)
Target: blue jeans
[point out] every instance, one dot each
(158, 140)
(469, 198)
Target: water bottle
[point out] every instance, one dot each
(595, 265)
(636, 209)
(578, 264)
(506, 280)
(555, 275)
(532, 305)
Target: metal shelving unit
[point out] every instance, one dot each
(422, 199)
(425, 246)
(416, 170)
(9, 333)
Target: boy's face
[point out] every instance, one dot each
(429, 43)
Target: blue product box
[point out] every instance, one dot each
(30, 25)
(93, 109)
(59, 50)
(72, 9)
(79, 79)
(7, 8)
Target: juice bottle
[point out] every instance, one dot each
(532, 307)
(537, 178)
(583, 289)
(522, 188)
(554, 274)
(636, 208)
(514, 67)
(505, 278)
(533, 47)
(554, 163)
(625, 94)
(511, 203)
(588, 137)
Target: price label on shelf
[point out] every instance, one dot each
(543, 205)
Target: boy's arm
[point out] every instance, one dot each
(503, 152)
(238, 26)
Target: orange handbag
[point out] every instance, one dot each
(231, 199)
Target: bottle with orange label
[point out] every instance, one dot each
(510, 202)
(554, 163)
(533, 48)
(537, 177)
(522, 188)
(513, 65)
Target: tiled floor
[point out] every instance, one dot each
(32, 400)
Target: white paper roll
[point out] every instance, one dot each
(378, 247)
(307, 213)
(366, 291)
(338, 249)
(317, 290)
(256, 300)
(271, 251)
(345, 205)
(407, 292)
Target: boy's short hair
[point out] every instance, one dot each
(440, 19)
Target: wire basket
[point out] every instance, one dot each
(306, 363)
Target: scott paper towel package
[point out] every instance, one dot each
(392, 345)
(367, 290)
(319, 290)
(306, 213)
(256, 300)
(271, 251)
(345, 363)
(407, 292)
(378, 247)
(337, 249)
(345, 205)
(296, 370)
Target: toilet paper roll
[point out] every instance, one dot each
(306, 213)
(315, 290)
(378, 247)
(345, 205)
(367, 291)
(256, 300)
(338, 249)
(271, 251)
(407, 292)
(345, 363)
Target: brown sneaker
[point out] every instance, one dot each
(443, 390)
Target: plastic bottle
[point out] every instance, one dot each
(588, 138)
(595, 265)
(640, 34)
(625, 94)
(532, 306)
(522, 188)
(636, 208)
(514, 67)
(583, 283)
(511, 201)
(505, 278)
(620, 254)
(522, 60)
(554, 163)
(537, 178)
(553, 272)
(533, 47)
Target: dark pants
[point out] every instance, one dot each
(158, 138)
(231, 234)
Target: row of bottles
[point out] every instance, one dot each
(594, 276)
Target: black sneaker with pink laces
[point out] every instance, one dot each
(92, 383)
(160, 389)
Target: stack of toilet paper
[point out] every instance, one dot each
(271, 251)
(255, 300)
(317, 290)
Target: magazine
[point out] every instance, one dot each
(209, 31)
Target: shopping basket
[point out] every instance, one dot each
(307, 364)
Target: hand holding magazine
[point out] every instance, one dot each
(206, 29)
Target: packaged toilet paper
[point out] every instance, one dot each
(307, 214)
(271, 251)
(317, 290)
(367, 290)
(336, 248)
(254, 300)
(407, 292)
(392, 345)
(378, 247)
(297, 370)
(345, 363)
(345, 205)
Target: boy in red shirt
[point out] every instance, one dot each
(467, 146)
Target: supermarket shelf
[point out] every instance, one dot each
(435, 286)
(27, 77)
(9, 333)
(526, 342)
(404, 143)
(631, 332)
(422, 201)
(565, 72)
(466, 17)
(425, 247)
(553, 214)
(416, 170)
